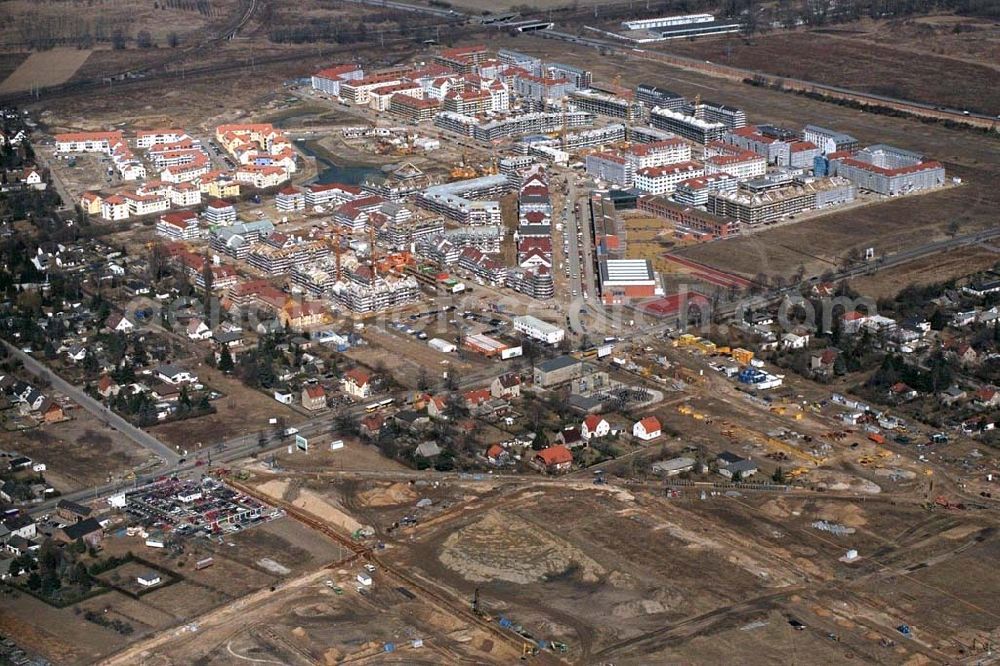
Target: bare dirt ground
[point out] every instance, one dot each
(102, 16)
(641, 580)
(242, 412)
(887, 68)
(78, 453)
(9, 62)
(236, 573)
(45, 68)
(939, 268)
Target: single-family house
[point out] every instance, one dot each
(428, 449)
(371, 425)
(594, 426)
(647, 429)
(21, 525)
(148, 579)
(89, 530)
(952, 394)
(198, 330)
(506, 386)
(497, 455)
(987, 397)
(52, 412)
(475, 398)
(553, 459)
(171, 374)
(571, 438)
(436, 406)
(794, 341)
(107, 387)
(902, 391)
(314, 397)
(357, 383)
(119, 323)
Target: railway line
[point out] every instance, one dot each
(912, 107)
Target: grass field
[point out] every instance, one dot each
(855, 62)
(45, 68)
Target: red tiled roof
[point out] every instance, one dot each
(555, 455)
(650, 424)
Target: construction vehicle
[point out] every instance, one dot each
(477, 607)
(528, 650)
(944, 502)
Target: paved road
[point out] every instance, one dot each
(220, 453)
(140, 437)
(43, 158)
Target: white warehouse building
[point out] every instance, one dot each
(540, 330)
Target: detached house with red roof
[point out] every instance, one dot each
(357, 383)
(506, 386)
(554, 459)
(647, 429)
(497, 455)
(594, 426)
(314, 397)
(987, 397)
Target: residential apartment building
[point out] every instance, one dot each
(653, 96)
(156, 137)
(887, 170)
(688, 220)
(413, 109)
(605, 105)
(535, 282)
(611, 167)
(581, 78)
(329, 80)
(178, 226)
(220, 212)
(689, 127)
(713, 112)
(664, 179)
(658, 153)
(787, 200)
(828, 140)
(742, 166)
(695, 191)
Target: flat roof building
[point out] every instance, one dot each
(623, 280)
(539, 330)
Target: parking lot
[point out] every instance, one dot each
(188, 508)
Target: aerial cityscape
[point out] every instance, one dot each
(440, 332)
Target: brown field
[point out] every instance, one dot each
(236, 573)
(45, 68)
(640, 580)
(939, 268)
(835, 58)
(78, 453)
(240, 412)
(9, 62)
(820, 244)
(74, 22)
